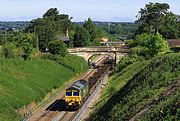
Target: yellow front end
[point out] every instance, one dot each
(71, 99)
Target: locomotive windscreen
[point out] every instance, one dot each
(69, 93)
(75, 93)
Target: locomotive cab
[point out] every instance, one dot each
(74, 95)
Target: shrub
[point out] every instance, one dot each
(140, 51)
(175, 49)
(130, 43)
(58, 47)
(10, 50)
(96, 42)
(148, 45)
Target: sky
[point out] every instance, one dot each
(80, 10)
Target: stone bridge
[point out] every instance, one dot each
(115, 53)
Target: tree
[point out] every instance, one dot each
(152, 16)
(149, 45)
(81, 37)
(27, 42)
(48, 27)
(58, 48)
(171, 26)
(91, 28)
(52, 12)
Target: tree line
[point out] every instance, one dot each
(157, 18)
(43, 34)
(155, 25)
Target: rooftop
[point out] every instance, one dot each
(174, 42)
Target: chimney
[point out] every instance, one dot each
(67, 33)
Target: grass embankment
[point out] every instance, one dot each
(22, 82)
(137, 85)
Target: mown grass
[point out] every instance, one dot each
(22, 82)
(137, 85)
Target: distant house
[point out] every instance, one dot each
(174, 42)
(65, 39)
(123, 37)
(104, 39)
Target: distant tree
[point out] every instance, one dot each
(91, 28)
(44, 29)
(63, 23)
(52, 12)
(152, 16)
(58, 47)
(27, 42)
(96, 42)
(48, 27)
(81, 37)
(171, 26)
(114, 30)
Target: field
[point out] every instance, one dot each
(140, 85)
(22, 82)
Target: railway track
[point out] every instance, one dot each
(58, 107)
(57, 111)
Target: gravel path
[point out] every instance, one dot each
(92, 103)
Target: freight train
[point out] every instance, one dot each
(79, 91)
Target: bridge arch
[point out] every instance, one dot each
(111, 55)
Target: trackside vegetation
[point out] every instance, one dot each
(75, 63)
(137, 86)
(23, 82)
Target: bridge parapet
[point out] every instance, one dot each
(86, 52)
(99, 49)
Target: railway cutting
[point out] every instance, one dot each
(70, 106)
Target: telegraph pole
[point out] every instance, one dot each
(36, 37)
(115, 55)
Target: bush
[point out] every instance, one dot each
(158, 45)
(148, 45)
(10, 51)
(175, 49)
(96, 42)
(130, 43)
(58, 47)
(141, 51)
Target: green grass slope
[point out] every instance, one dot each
(137, 86)
(22, 82)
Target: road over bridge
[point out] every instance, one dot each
(87, 52)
